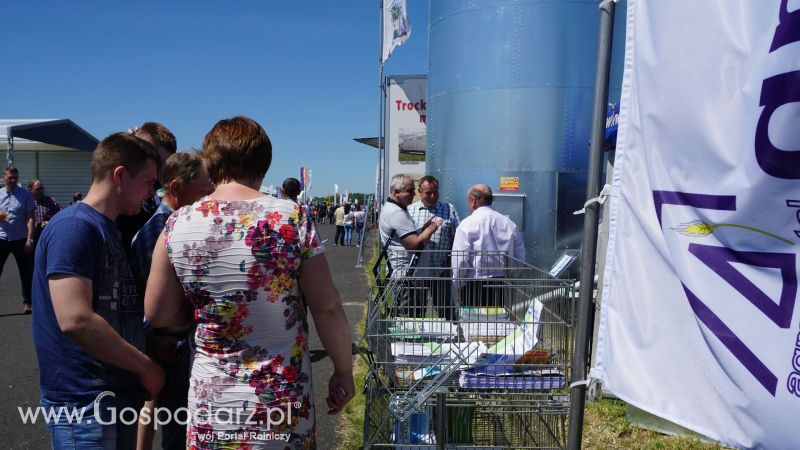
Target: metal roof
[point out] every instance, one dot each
(61, 132)
(371, 141)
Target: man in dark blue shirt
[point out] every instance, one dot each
(87, 314)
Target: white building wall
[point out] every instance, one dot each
(63, 172)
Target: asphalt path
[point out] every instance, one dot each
(19, 372)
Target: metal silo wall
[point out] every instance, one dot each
(510, 88)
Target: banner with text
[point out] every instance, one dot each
(699, 322)
(405, 134)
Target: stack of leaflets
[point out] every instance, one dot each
(415, 361)
(431, 329)
(493, 327)
(495, 371)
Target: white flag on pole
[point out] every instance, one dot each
(396, 28)
(699, 318)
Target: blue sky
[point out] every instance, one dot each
(307, 71)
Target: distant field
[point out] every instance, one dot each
(411, 156)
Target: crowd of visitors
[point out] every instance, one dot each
(175, 283)
(223, 274)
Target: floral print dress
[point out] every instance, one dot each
(239, 264)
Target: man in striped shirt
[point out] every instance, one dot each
(435, 263)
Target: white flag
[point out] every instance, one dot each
(396, 28)
(699, 319)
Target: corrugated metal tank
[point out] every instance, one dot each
(510, 95)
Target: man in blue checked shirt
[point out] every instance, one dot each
(185, 180)
(436, 264)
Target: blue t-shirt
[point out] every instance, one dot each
(18, 204)
(81, 241)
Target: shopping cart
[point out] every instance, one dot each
(476, 354)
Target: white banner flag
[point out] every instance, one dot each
(699, 320)
(396, 28)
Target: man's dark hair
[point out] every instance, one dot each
(11, 169)
(182, 166)
(291, 188)
(237, 149)
(122, 149)
(160, 135)
(430, 179)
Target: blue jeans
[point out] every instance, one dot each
(102, 426)
(359, 230)
(348, 234)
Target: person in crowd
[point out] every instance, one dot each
(87, 316)
(480, 246)
(166, 145)
(250, 346)
(338, 216)
(332, 215)
(323, 212)
(45, 208)
(400, 236)
(17, 230)
(349, 225)
(76, 197)
(291, 189)
(185, 180)
(434, 263)
(359, 217)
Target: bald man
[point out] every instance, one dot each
(479, 246)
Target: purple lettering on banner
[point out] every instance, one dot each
(777, 91)
(729, 339)
(719, 260)
(793, 383)
(788, 29)
(795, 204)
(796, 359)
(703, 201)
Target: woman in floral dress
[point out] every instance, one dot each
(246, 266)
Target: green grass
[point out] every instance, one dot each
(606, 426)
(352, 423)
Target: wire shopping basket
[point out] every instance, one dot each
(485, 342)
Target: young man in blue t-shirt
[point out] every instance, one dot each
(87, 316)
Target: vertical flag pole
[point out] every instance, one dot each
(577, 397)
(381, 111)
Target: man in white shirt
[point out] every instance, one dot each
(479, 248)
